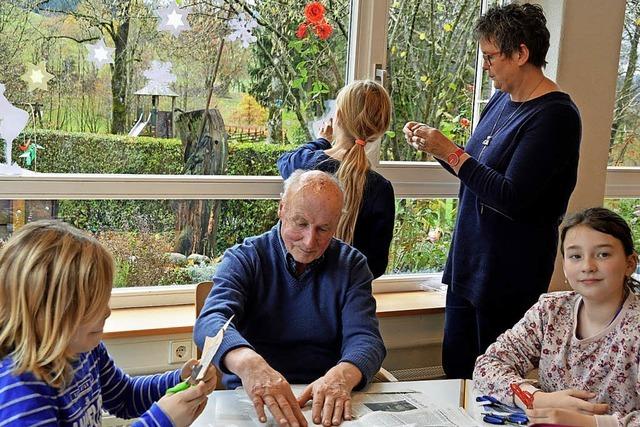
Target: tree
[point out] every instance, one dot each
(625, 116)
(14, 26)
(113, 20)
(296, 74)
(431, 54)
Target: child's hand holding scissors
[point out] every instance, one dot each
(183, 408)
(191, 369)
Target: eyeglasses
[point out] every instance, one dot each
(488, 57)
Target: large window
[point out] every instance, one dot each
(624, 146)
(431, 58)
(102, 67)
(271, 83)
(267, 95)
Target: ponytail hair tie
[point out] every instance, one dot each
(361, 142)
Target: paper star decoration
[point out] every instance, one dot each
(100, 54)
(174, 19)
(242, 30)
(159, 76)
(36, 76)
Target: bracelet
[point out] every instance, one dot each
(524, 396)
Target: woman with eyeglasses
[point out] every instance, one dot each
(516, 173)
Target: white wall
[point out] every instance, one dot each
(585, 65)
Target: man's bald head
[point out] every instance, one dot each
(309, 211)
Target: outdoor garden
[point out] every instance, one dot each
(225, 87)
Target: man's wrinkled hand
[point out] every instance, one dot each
(266, 386)
(331, 396)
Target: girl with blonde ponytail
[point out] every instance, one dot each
(363, 114)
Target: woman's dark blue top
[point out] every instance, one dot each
(513, 194)
(374, 225)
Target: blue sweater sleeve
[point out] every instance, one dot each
(548, 145)
(362, 344)
(228, 297)
(302, 157)
(129, 397)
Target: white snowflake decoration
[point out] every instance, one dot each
(160, 77)
(100, 54)
(174, 19)
(241, 28)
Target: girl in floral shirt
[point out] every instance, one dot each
(586, 343)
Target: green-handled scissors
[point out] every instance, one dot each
(211, 346)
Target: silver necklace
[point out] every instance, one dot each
(494, 131)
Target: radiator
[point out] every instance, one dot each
(417, 374)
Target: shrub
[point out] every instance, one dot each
(140, 259)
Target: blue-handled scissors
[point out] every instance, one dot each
(491, 403)
(514, 419)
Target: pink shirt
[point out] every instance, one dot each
(545, 338)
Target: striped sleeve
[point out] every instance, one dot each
(23, 403)
(130, 397)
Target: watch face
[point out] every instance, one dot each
(453, 159)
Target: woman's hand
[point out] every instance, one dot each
(560, 416)
(428, 139)
(571, 399)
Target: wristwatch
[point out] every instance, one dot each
(454, 158)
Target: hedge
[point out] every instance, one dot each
(67, 152)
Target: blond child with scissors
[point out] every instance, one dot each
(55, 285)
(585, 343)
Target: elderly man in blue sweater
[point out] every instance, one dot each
(303, 307)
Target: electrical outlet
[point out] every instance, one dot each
(179, 351)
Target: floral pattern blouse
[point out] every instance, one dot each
(545, 338)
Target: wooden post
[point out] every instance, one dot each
(173, 109)
(19, 214)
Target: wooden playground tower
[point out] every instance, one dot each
(160, 123)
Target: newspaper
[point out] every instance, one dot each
(437, 417)
(407, 408)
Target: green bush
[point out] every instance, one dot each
(72, 152)
(422, 235)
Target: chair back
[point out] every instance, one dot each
(202, 292)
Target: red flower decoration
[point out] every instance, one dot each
(323, 30)
(302, 31)
(464, 122)
(314, 12)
